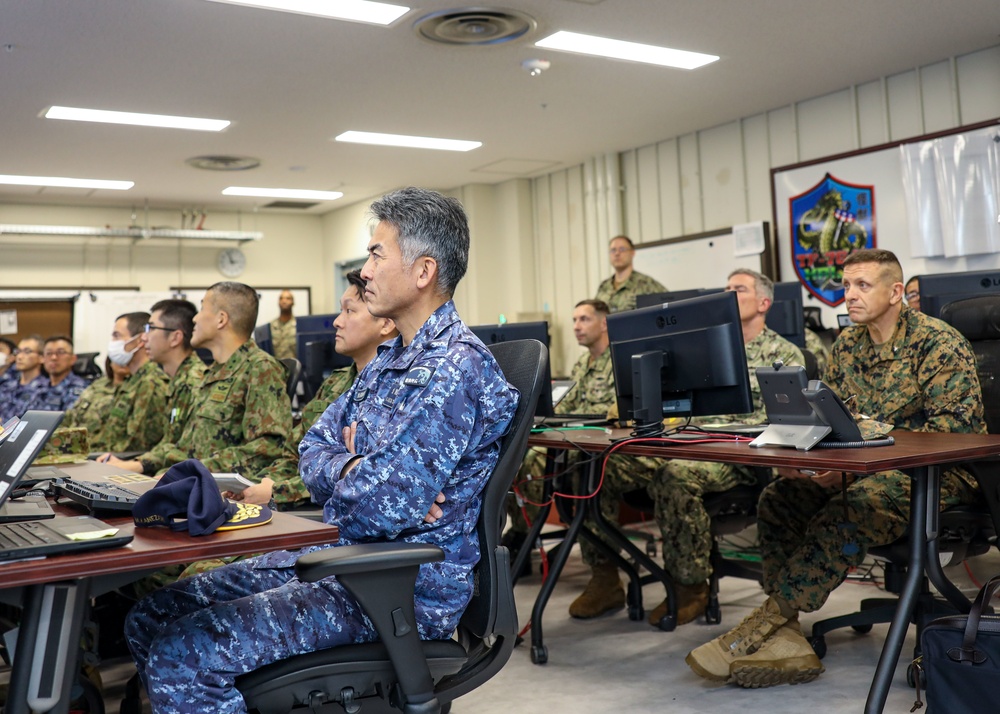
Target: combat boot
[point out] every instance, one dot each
(713, 659)
(691, 602)
(785, 658)
(603, 593)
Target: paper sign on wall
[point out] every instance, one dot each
(8, 322)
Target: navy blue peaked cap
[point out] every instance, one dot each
(186, 491)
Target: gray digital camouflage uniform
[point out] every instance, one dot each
(923, 379)
(678, 486)
(138, 415)
(440, 400)
(623, 296)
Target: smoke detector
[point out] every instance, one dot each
(535, 67)
(474, 26)
(223, 163)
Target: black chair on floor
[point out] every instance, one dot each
(965, 531)
(418, 677)
(86, 366)
(294, 370)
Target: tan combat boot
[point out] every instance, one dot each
(785, 658)
(691, 602)
(713, 659)
(603, 593)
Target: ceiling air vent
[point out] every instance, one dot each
(223, 163)
(300, 205)
(474, 26)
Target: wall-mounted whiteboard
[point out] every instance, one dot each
(703, 260)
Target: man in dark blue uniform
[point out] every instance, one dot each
(65, 386)
(434, 396)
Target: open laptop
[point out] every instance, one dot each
(55, 536)
(27, 506)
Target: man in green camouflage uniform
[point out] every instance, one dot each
(359, 333)
(283, 327)
(819, 350)
(678, 486)
(91, 409)
(896, 366)
(137, 419)
(620, 290)
(167, 342)
(241, 416)
(593, 392)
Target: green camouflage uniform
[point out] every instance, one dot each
(283, 338)
(137, 419)
(678, 486)
(815, 345)
(922, 379)
(289, 491)
(68, 444)
(183, 387)
(623, 297)
(593, 392)
(240, 420)
(91, 409)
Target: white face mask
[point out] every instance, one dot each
(118, 354)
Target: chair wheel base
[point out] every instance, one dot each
(539, 654)
(667, 623)
(818, 643)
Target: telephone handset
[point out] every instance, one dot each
(833, 412)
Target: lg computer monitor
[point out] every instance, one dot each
(315, 337)
(262, 336)
(939, 289)
(785, 316)
(684, 358)
(651, 299)
(492, 334)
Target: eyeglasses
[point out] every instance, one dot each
(26, 351)
(619, 250)
(911, 296)
(57, 353)
(150, 326)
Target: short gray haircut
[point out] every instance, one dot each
(763, 285)
(428, 224)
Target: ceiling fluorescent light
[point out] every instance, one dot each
(135, 233)
(414, 142)
(282, 193)
(619, 49)
(60, 182)
(158, 120)
(375, 13)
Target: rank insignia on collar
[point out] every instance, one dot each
(361, 394)
(418, 377)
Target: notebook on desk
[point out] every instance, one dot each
(30, 539)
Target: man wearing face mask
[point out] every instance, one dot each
(138, 416)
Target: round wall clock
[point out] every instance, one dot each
(232, 262)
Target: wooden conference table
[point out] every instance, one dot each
(55, 592)
(919, 454)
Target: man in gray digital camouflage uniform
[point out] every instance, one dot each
(620, 290)
(678, 486)
(897, 366)
(435, 395)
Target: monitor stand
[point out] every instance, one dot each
(801, 436)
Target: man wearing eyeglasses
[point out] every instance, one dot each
(20, 392)
(620, 290)
(138, 416)
(167, 341)
(64, 386)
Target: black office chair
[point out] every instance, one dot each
(418, 677)
(294, 370)
(965, 531)
(86, 366)
(730, 512)
(811, 365)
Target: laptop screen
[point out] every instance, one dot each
(21, 447)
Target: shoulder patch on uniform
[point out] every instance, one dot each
(418, 377)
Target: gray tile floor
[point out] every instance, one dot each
(614, 664)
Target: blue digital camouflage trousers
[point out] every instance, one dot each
(802, 533)
(191, 639)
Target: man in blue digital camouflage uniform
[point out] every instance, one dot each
(433, 396)
(64, 387)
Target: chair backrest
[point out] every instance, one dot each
(491, 610)
(294, 369)
(811, 365)
(86, 366)
(978, 319)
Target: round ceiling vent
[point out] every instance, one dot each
(223, 163)
(474, 26)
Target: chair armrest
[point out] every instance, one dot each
(366, 557)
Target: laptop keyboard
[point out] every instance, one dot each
(17, 535)
(98, 496)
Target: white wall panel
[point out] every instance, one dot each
(872, 119)
(757, 165)
(691, 191)
(937, 96)
(826, 125)
(905, 112)
(649, 194)
(724, 199)
(979, 85)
